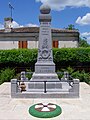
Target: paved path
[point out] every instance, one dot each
(17, 109)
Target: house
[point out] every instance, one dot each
(27, 37)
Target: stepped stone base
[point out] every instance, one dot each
(45, 67)
(44, 77)
(54, 90)
(45, 95)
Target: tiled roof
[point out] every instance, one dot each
(36, 30)
(62, 30)
(2, 30)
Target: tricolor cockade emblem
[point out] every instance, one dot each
(44, 107)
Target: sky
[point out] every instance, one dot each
(64, 12)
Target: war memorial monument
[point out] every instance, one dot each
(45, 82)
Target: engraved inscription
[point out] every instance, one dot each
(45, 77)
(45, 70)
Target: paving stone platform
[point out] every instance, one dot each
(17, 109)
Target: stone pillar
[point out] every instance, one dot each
(75, 88)
(45, 67)
(14, 87)
(23, 77)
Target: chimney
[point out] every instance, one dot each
(8, 24)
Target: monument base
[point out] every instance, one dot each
(40, 86)
(53, 90)
(44, 72)
(44, 67)
(44, 77)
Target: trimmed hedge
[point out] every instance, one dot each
(79, 55)
(62, 57)
(18, 57)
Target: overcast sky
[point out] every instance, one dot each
(64, 12)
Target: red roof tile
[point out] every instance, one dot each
(36, 30)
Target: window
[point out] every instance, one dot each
(55, 44)
(22, 44)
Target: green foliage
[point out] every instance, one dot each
(69, 69)
(60, 74)
(28, 57)
(82, 76)
(72, 56)
(83, 43)
(29, 76)
(18, 57)
(6, 75)
(71, 27)
(18, 76)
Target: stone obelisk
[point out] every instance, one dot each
(45, 67)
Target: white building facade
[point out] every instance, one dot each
(27, 37)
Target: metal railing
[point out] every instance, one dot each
(68, 79)
(45, 83)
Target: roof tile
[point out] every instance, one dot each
(36, 30)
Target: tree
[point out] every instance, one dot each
(71, 27)
(83, 42)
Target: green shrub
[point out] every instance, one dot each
(18, 76)
(6, 75)
(63, 58)
(29, 76)
(60, 74)
(18, 57)
(72, 56)
(82, 76)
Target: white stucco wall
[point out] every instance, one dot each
(32, 44)
(14, 44)
(8, 45)
(68, 44)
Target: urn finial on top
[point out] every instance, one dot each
(45, 9)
